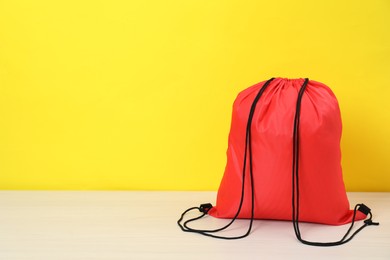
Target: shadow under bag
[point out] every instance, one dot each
(284, 161)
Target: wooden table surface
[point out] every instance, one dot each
(142, 225)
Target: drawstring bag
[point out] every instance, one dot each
(284, 161)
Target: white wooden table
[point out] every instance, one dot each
(142, 225)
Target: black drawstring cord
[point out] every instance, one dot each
(295, 187)
(204, 208)
(367, 222)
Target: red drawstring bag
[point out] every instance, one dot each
(284, 160)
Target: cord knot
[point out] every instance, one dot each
(205, 207)
(369, 222)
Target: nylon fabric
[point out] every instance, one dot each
(323, 197)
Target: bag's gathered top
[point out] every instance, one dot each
(284, 151)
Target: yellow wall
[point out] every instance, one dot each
(138, 94)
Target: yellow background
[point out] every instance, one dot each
(138, 94)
